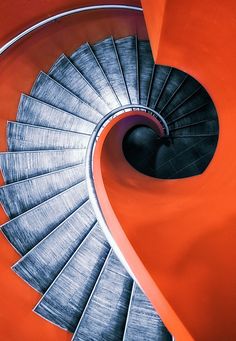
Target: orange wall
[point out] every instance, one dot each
(182, 231)
(19, 67)
(179, 235)
(18, 15)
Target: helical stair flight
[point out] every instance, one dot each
(53, 226)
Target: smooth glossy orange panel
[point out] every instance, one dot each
(179, 235)
(19, 67)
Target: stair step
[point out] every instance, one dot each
(64, 301)
(185, 102)
(145, 63)
(195, 168)
(170, 103)
(85, 61)
(187, 88)
(105, 314)
(174, 83)
(49, 91)
(23, 137)
(17, 166)
(143, 322)
(128, 56)
(106, 54)
(27, 229)
(192, 136)
(199, 106)
(32, 192)
(36, 112)
(198, 127)
(159, 80)
(40, 266)
(184, 154)
(65, 73)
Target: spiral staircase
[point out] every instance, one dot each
(65, 254)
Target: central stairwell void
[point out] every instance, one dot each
(65, 254)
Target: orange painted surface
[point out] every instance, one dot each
(179, 235)
(113, 175)
(18, 69)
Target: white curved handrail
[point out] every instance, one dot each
(62, 15)
(90, 179)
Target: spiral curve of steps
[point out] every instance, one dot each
(65, 255)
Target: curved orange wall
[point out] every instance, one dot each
(179, 235)
(19, 67)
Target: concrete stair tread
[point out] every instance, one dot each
(27, 229)
(65, 299)
(26, 137)
(31, 192)
(128, 56)
(40, 266)
(151, 328)
(107, 56)
(174, 80)
(65, 73)
(105, 314)
(35, 112)
(160, 75)
(145, 66)
(17, 166)
(86, 62)
(48, 90)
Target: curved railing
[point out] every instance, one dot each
(41, 23)
(89, 171)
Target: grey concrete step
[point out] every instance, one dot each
(27, 229)
(104, 317)
(49, 91)
(32, 192)
(191, 107)
(40, 266)
(25, 137)
(86, 62)
(204, 126)
(160, 78)
(187, 90)
(64, 301)
(128, 56)
(17, 166)
(183, 155)
(143, 323)
(65, 73)
(170, 102)
(145, 64)
(174, 82)
(106, 54)
(35, 112)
